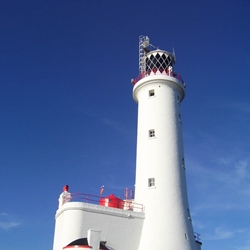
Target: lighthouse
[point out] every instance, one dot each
(158, 217)
(160, 163)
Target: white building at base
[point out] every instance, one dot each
(158, 217)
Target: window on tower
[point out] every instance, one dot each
(151, 133)
(151, 93)
(151, 182)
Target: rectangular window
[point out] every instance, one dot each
(151, 133)
(151, 93)
(151, 182)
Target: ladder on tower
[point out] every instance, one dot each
(143, 44)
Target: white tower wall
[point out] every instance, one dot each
(121, 229)
(167, 222)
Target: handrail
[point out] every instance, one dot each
(126, 204)
(160, 71)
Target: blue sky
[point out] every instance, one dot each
(67, 115)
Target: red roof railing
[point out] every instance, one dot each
(127, 204)
(160, 71)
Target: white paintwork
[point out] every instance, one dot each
(198, 244)
(64, 197)
(94, 238)
(120, 228)
(167, 223)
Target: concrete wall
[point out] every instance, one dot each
(120, 228)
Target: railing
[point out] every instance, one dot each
(104, 201)
(94, 199)
(160, 71)
(128, 194)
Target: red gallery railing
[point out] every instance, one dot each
(114, 202)
(160, 71)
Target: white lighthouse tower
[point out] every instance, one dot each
(160, 164)
(158, 216)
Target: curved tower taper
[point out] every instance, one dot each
(160, 166)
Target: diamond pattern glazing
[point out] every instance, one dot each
(159, 61)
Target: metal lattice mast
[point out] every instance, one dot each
(143, 43)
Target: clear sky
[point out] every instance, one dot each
(67, 115)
